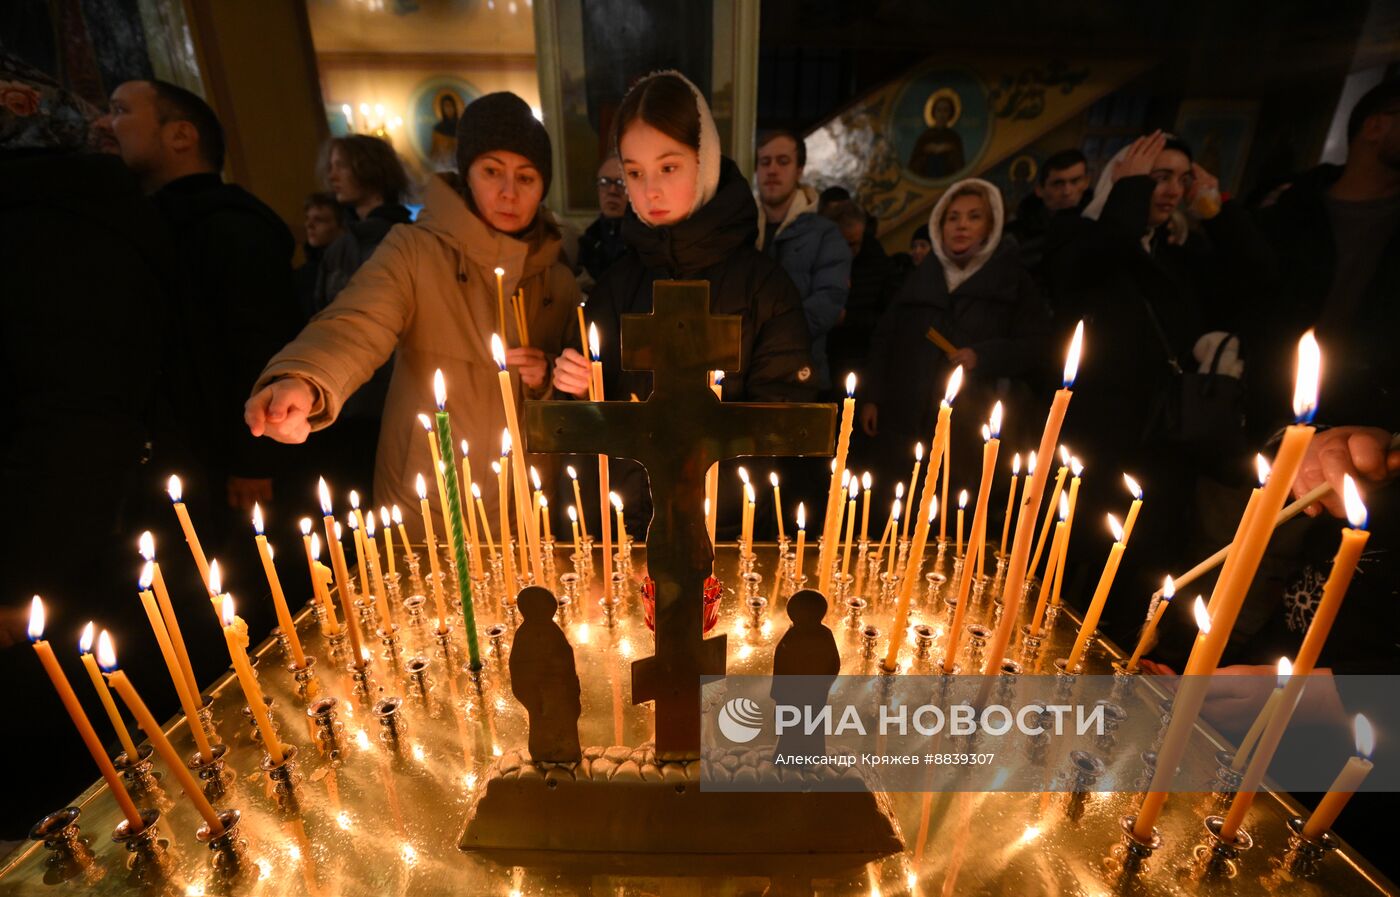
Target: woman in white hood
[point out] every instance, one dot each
(977, 296)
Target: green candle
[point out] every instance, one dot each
(454, 507)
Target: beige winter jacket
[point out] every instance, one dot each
(428, 296)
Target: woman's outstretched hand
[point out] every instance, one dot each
(279, 410)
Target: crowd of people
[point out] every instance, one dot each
(191, 345)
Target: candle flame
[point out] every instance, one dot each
(1202, 615)
(1261, 469)
(148, 576)
(962, 499)
(1365, 737)
(1309, 372)
(305, 524)
(1064, 456)
(421, 486)
(325, 493)
(1116, 528)
(593, 347)
(85, 640)
(383, 516)
(855, 488)
(1016, 465)
(1133, 488)
(1285, 669)
(615, 500)
(986, 433)
(897, 509)
(997, 413)
(36, 619)
(174, 488)
(919, 452)
(146, 546)
(351, 522)
(216, 578)
(498, 351)
(898, 490)
(707, 508)
(1030, 464)
(500, 272)
(773, 478)
(506, 443)
(339, 533)
(496, 467)
(106, 652)
(1064, 507)
(719, 378)
(369, 528)
(573, 474)
(397, 515)
(845, 478)
(426, 421)
(801, 516)
(1076, 467)
(354, 500)
(544, 502)
(955, 380)
(573, 514)
(227, 611)
(440, 390)
(933, 509)
(258, 518)
(1168, 588)
(535, 477)
(1076, 346)
(743, 475)
(315, 546)
(1351, 498)
(466, 449)
(476, 490)
(851, 384)
(865, 481)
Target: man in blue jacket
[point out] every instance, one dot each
(808, 246)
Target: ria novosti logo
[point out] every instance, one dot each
(740, 720)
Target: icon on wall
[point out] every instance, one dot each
(433, 110)
(940, 124)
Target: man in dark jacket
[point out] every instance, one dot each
(1046, 219)
(874, 280)
(234, 306)
(808, 246)
(602, 243)
(324, 223)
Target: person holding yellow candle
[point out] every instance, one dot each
(431, 290)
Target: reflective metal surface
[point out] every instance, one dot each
(376, 802)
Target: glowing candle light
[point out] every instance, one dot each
(439, 602)
(320, 578)
(896, 510)
(1057, 553)
(236, 637)
(578, 501)
(473, 537)
(573, 523)
(991, 439)
(1136, 492)
(891, 525)
(500, 300)
(189, 700)
(1010, 503)
(801, 539)
(1060, 475)
(746, 515)
(176, 491)
(830, 530)
(595, 371)
(1077, 469)
(854, 493)
(279, 600)
(385, 525)
(1346, 784)
(962, 507)
(107, 659)
(376, 576)
(1096, 605)
(342, 576)
(712, 474)
(359, 551)
(502, 471)
(777, 503)
(435, 450)
(616, 501)
(1154, 617)
(104, 694)
(913, 481)
(147, 547)
(397, 517)
(1285, 669)
(456, 524)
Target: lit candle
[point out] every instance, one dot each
(382, 595)
(777, 504)
(522, 499)
(44, 651)
(342, 576)
(850, 526)
(895, 511)
(830, 530)
(573, 522)
(431, 542)
(435, 450)
(386, 526)
(191, 538)
(914, 481)
(595, 371)
(712, 474)
(1057, 549)
(359, 551)
(1229, 597)
(1346, 784)
(485, 521)
(500, 300)
(236, 637)
(107, 659)
(1025, 484)
(1285, 669)
(1353, 542)
(320, 576)
(746, 517)
(1262, 470)
(189, 700)
(578, 501)
(891, 525)
(1077, 469)
(1157, 608)
(456, 524)
(1021, 544)
(502, 471)
(355, 509)
(1010, 503)
(1050, 510)
(541, 504)
(801, 541)
(865, 482)
(991, 445)
(473, 537)
(921, 527)
(962, 507)
(1136, 492)
(279, 600)
(616, 501)
(147, 548)
(544, 518)
(397, 516)
(943, 496)
(1096, 604)
(104, 694)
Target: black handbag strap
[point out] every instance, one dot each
(1161, 335)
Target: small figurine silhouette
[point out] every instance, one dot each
(805, 664)
(543, 678)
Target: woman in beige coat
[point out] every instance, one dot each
(428, 298)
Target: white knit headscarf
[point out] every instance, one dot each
(707, 176)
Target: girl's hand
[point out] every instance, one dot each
(572, 373)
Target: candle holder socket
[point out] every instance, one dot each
(889, 587)
(842, 583)
(61, 834)
(226, 844)
(977, 637)
(934, 584)
(1085, 769)
(1306, 854)
(1218, 855)
(1227, 778)
(391, 724)
(609, 611)
(1052, 613)
(338, 645)
(855, 610)
(869, 641)
(757, 606)
(389, 638)
(750, 583)
(283, 776)
(282, 641)
(362, 679)
(443, 637)
(620, 585)
(1030, 645)
(1132, 855)
(206, 712)
(923, 641)
(419, 682)
(144, 844)
(211, 771)
(413, 606)
(137, 774)
(322, 714)
(496, 636)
